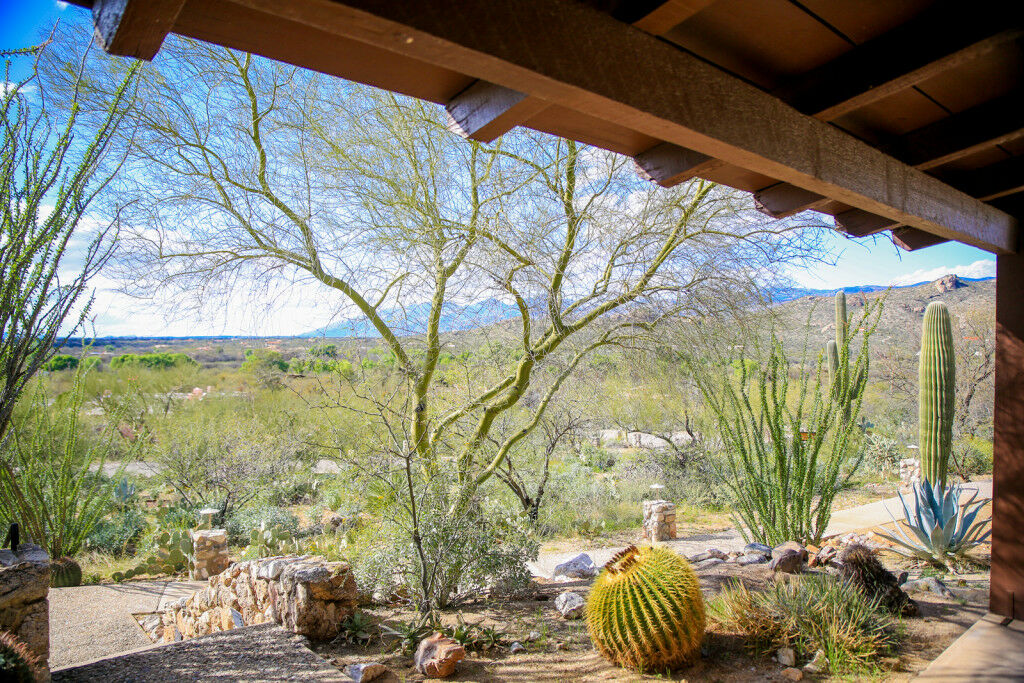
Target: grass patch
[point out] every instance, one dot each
(810, 613)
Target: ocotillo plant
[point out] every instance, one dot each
(845, 388)
(936, 392)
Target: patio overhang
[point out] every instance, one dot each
(856, 110)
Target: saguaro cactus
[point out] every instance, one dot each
(936, 392)
(844, 388)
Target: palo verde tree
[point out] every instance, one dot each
(250, 173)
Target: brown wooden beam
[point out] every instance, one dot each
(1006, 591)
(670, 14)
(668, 164)
(484, 111)
(859, 223)
(621, 76)
(960, 135)
(784, 200)
(992, 182)
(134, 28)
(912, 239)
(942, 37)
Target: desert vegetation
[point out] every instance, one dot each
(543, 336)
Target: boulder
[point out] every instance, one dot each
(710, 554)
(817, 665)
(758, 548)
(789, 562)
(570, 605)
(927, 584)
(786, 656)
(792, 674)
(437, 656)
(781, 549)
(752, 558)
(516, 647)
(579, 567)
(947, 283)
(710, 562)
(823, 557)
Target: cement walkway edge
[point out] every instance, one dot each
(987, 651)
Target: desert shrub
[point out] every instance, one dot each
(60, 362)
(51, 481)
(482, 551)
(241, 523)
(808, 614)
(117, 533)
(152, 361)
(882, 453)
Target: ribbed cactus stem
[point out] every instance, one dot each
(841, 321)
(937, 389)
(832, 356)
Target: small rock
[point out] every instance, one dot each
(710, 562)
(786, 656)
(793, 674)
(710, 553)
(532, 636)
(579, 567)
(817, 665)
(822, 557)
(757, 548)
(360, 673)
(437, 656)
(570, 605)
(752, 558)
(789, 562)
(926, 584)
(516, 647)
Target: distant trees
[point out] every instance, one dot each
(247, 173)
(153, 361)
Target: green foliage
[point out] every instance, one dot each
(357, 629)
(941, 528)
(174, 555)
(783, 453)
(51, 481)
(17, 663)
(645, 611)
(264, 360)
(124, 493)
(153, 361)
(810, 613)
(324, 350)
(118, 533)
(61, 362)
(937, 393)
(882, 453)
(269, 541)
(65, 573)
(473, 637)
(242, 523)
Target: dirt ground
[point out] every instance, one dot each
(563, 651)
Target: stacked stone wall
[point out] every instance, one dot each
(304, 594)
(659, 520)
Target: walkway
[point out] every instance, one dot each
(842, 522)
(989, 651)
(87, 622)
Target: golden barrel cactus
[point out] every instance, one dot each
(645, 611)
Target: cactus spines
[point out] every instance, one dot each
(936, 392)
(645, 610)
(842, 322)
(65, 573)
(17, 663)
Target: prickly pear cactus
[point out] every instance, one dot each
(936, 393)
(645, 611)
(267, 541)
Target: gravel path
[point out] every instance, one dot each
(87, 622)
(255, 653)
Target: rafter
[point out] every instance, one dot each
(942, 37)
(484, 111)
(134, 28)
(668, 164)
(784, 200)
(999, 180)
(858, 223)
(912, 239)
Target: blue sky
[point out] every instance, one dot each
(868, 261)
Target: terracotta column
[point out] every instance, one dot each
(1006, 595)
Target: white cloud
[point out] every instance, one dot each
(978, 269)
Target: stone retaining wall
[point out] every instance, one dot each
(659, 520)
(304, 594)
(210, 550)
(24, 607)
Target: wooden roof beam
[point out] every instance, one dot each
(134, 28)
(940, 38)
(858, 223)
(583, 60)
(955, 137)
(669, 14)
(912, 239)
(784, 200)
(992, 182)
(485, 111)
(668, 165)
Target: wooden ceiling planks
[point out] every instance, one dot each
(507, 64)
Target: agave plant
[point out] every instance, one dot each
(942, 528)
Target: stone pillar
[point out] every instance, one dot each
(910, 472)
(24, 607)
(659, 520)
(210, 550)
